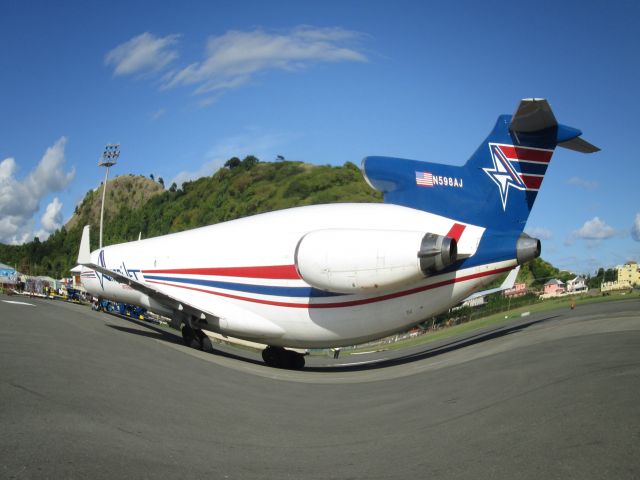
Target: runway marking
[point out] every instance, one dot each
(18, 303)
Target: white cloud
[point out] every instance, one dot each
(635, 229)
(209, 100)
(595, 229)
(157, 114)
(20, 200)
(540, 232)
(52, 218)
(142, 54)
(581, 182)
(49, 175)
(233, 58)
(263, 145)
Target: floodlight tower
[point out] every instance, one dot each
(109, 159)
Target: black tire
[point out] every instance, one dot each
(271, 356)
(191, 337)
(207, 346)
(295, 360)
(278, 357)
(187, 335)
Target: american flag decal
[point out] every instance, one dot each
(424, 179)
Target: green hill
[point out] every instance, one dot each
(137, 205)
(126, 191)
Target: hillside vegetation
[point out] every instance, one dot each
(137, 205)
(126, 191)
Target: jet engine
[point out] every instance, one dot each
(360, 261)
(527, 248)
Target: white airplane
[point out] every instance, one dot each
(342, 274)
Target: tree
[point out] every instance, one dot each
(173, 187)
(610, 275)
(232, 163)
(249, 161)
(152, 177)
(161, 181)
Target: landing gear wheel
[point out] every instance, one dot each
(207, 346)
(272, 355)
(278, 357)
(192, 338)
(295, 360)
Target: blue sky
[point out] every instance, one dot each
(183, 87)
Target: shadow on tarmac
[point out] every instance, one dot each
(159, 333)
(435, 351)
(163, 335)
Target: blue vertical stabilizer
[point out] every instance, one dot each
(498, 185)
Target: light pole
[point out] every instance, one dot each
(109, 158)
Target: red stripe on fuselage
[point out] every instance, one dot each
(276, 272)
(456, 231)
(526, 154)
(351, 303)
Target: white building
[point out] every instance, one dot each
(577, 285)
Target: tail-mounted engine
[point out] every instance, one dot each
(359, 261)
(527, 248)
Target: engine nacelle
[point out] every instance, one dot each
(359, 261)
(437, 253)
(527, 248)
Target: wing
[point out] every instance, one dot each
(157, 295)
(217, 314)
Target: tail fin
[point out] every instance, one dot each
(84, 253)
(497, 186)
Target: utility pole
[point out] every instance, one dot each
(109, 159)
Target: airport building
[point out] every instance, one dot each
(629, 272)
(518, 290)
(8, 276)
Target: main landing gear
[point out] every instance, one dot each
(280, 358)
(273, 356)
(196, 338)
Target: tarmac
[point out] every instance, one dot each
(89, 395)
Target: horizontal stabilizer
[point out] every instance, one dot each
(579, 145)
(532, 115)
(508, 283)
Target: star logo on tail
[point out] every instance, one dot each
(503, 174)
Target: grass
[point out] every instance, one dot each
(495, 319)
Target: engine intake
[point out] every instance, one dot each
(437, 253)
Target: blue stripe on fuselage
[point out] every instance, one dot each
(304, 292)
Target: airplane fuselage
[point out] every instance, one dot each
(248, 270)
